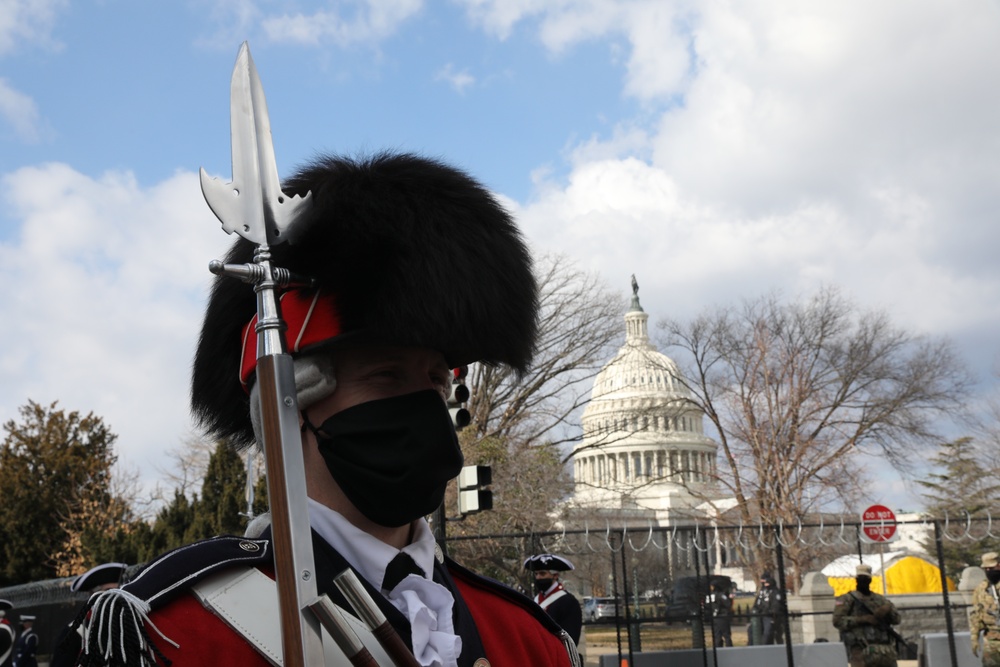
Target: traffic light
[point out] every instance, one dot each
(457, 399)
(471, 497)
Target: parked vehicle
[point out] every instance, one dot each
(597, 609)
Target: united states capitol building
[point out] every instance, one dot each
(644, 446)
(644, 458)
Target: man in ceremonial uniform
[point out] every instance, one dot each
(99, 578)
(27, 644)
(418, 270)
(6, 635)
(550, 594)
(984, 619)
(864, 619)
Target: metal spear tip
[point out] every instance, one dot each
(252, 204)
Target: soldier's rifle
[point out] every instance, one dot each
(898, 638)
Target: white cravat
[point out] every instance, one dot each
(426, 604)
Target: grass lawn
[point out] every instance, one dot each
(656, 636)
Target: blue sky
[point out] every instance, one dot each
(111, 95)
(716, 150)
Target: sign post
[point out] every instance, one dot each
(878, 525)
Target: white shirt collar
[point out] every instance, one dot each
(426, 604)
(367, 554)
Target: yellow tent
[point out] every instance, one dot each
(904, 573)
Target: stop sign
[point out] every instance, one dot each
(878, 523)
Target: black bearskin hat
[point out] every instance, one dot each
(414, 252)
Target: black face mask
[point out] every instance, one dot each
(542, 585)
(993, 576)
(864, 584)
(393, 457)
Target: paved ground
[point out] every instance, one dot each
(594, 653)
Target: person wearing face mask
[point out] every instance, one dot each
(766, 610)
(865, 621)
(417, 270)
(550, 594)
(984, 620)
(719, 604)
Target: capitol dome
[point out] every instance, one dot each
(643, 441)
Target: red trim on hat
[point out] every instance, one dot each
(310, 318)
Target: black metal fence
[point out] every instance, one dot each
(641, 568)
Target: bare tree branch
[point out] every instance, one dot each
(796, 390)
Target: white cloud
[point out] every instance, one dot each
(370, 22)
(20, 112)
(500, 17)
(108, 319)
(459, 80)
(658, 32)
(233, 22)
(838, 143)
(28, 22)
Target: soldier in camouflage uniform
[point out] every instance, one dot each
(983, 621)
(864, 619)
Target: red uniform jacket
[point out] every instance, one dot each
(512, 630)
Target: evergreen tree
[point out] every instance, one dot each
(260, 504)
(170, 528)
(965, 484)
(49, 462)
(222, 508)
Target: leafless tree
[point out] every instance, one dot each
(520, 426)
(985, 425)
(795, 391)
(528, 483)
(190, 463)
(579, 323)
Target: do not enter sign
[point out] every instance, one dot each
(878, 523)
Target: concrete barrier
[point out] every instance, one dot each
(934, 651)
(823, 654)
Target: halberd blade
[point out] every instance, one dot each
(252, 204)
